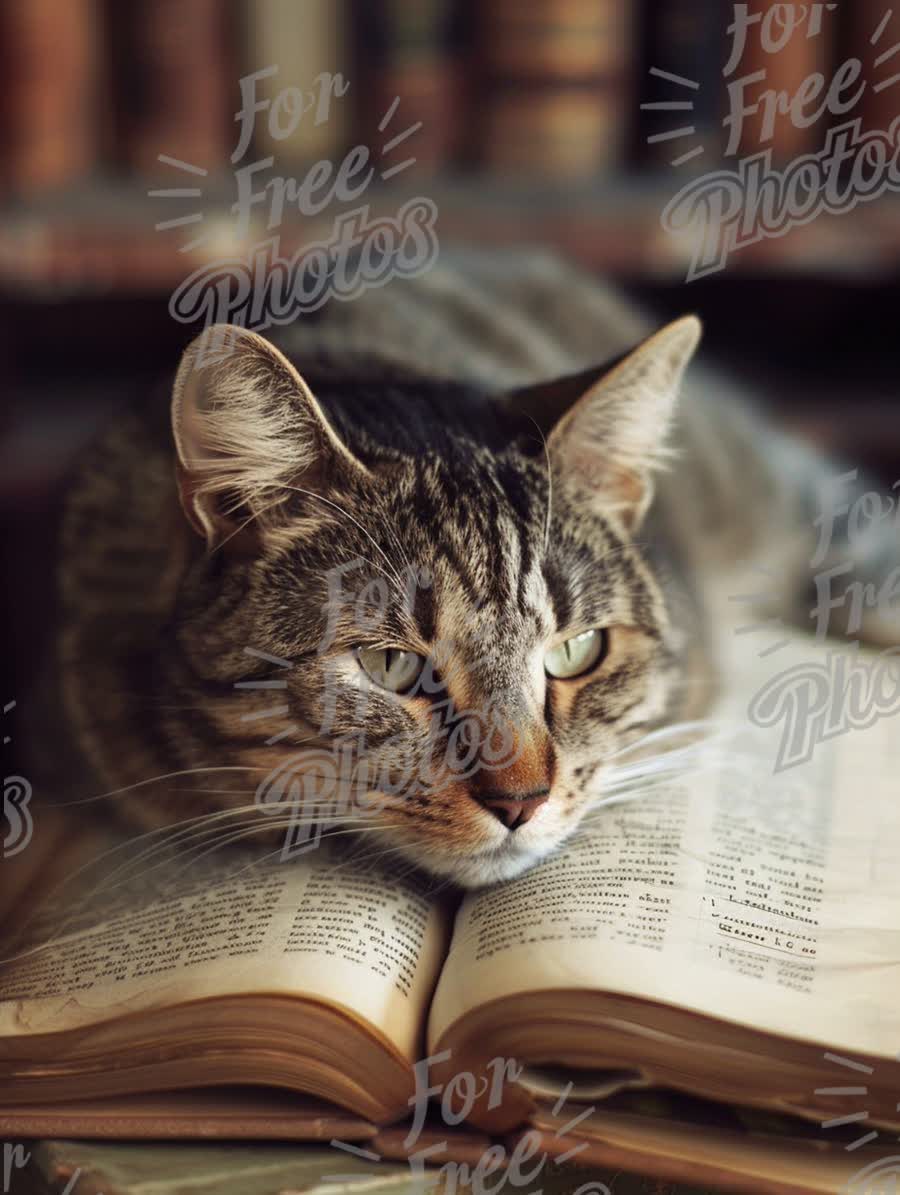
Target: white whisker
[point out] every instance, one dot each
(127, 788)
(356, 523)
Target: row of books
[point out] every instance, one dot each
(557, 89)
(729, 80)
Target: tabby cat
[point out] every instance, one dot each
(393, 529)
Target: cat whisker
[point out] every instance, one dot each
(320, 498)
(396, 540)
(549, 483)
(55, 892)
(623, 798)
(272, 854)
(190, 828)
(246, 523)
(256, 824)
(356, 523)
(127, 788)
(368, 560)
(660, 769)
(654, 775)
(226, 840)
(376, 857)
(176, 832)
(674, 730)
(172, 832)
(221, 792)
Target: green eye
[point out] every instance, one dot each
(577, 655)
(390, 668)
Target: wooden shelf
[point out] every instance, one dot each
(101, 238)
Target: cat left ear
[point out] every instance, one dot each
(609, 442)
(249, 434)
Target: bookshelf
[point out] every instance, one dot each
(539, 121)
(96, 91)
(99, 238)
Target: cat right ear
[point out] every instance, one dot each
(606, 429)
(248, 435)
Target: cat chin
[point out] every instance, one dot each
(489, 867)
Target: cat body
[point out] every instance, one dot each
(465, 474)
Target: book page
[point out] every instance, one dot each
(767, 897)
(152, 935)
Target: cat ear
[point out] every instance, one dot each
(609, 441)
(246, 429)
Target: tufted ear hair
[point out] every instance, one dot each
(247, 433)
(606, 430)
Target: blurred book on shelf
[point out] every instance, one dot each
(170, 77)
(571, 122)
(299, 59)
(413, 78)
(556, 86)
(774, 106)
(681, 91)
(871, 31)
(48, 111)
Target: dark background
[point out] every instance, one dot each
(532, 133)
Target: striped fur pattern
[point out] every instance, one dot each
(488, 471)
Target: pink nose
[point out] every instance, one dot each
(514, 809)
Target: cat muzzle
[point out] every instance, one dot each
(514, 809)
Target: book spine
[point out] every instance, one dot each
(48, 54)
(784, 70)
(172, 83)
(873, 34)
(408, 49)
(556, 84)
(686, 39)
(308, 44)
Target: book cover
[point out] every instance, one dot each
(411, 60)
(48, 57)
(172, 84)
(304, 48)
(785, 46)
(681, 89)
(872, 34)
(556, 86)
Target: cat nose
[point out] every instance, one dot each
(514, 809)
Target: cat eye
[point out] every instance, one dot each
(576, 656)
(390, 668)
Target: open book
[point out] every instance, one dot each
(733, 934)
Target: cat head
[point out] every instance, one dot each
(452, 623)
